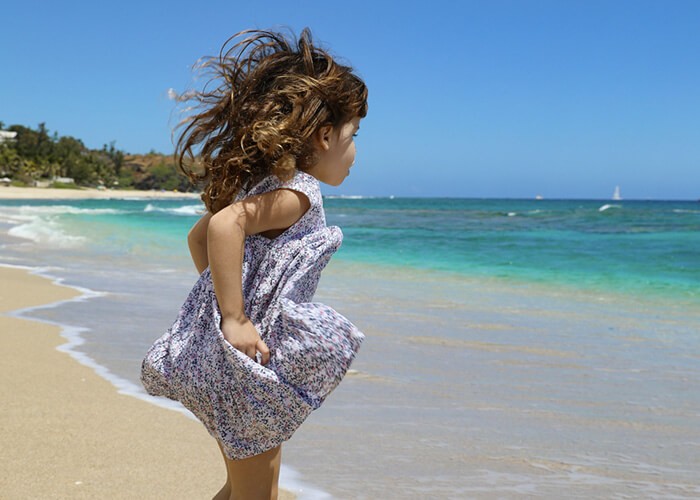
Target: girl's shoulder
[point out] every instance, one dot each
(301, 181)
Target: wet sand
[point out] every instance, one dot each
(67, 433)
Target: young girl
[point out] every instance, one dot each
(249, 353)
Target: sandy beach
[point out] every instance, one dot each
(67, 433)
(32, 193)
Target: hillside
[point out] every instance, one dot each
(152, 171)
(30, 157)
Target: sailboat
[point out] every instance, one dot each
(616, 197)
(616, 194)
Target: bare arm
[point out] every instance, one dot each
(197, 241)
(226, 234)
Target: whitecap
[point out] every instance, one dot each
(186, 210)
(66, 210)
(46, 231)
(348, 197)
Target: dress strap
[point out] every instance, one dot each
(301, 181)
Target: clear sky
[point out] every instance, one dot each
(492, 98)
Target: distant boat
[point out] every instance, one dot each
(539, 197)
(616, 195)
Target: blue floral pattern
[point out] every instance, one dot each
(250, 408)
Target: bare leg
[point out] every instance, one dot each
(225, 492)
(255, 478)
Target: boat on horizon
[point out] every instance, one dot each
(616, 194)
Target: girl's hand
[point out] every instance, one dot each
(244, 337)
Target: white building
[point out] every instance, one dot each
(7, 136)
(64, 180)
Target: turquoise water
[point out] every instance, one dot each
(629, 246)
(636, 247)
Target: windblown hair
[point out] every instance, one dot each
(257, 114)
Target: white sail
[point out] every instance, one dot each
(616, 194)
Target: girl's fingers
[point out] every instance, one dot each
(262, 348)
(250, 352)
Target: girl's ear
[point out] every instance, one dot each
(322, 137)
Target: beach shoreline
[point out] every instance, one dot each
(67, 433)
(34, 193)
(474, 380)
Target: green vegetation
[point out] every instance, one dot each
(35, 157)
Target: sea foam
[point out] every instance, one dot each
(65, 210)
(46, 231)
(187, 210)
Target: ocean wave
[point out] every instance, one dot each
(46, 231)
(43, 224)
(608, 207)
(187, 210)
(63, 210)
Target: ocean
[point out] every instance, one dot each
(514, 347)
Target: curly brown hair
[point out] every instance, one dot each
(266, 97)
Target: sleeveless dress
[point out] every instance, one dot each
(250, 408)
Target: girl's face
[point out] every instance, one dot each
(336, 152)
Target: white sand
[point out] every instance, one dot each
(31, 193)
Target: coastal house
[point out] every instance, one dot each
(7, 136)
(45, 183)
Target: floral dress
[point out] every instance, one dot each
(250, 408)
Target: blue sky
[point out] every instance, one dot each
(499, 98)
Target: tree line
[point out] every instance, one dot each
(37, 155)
